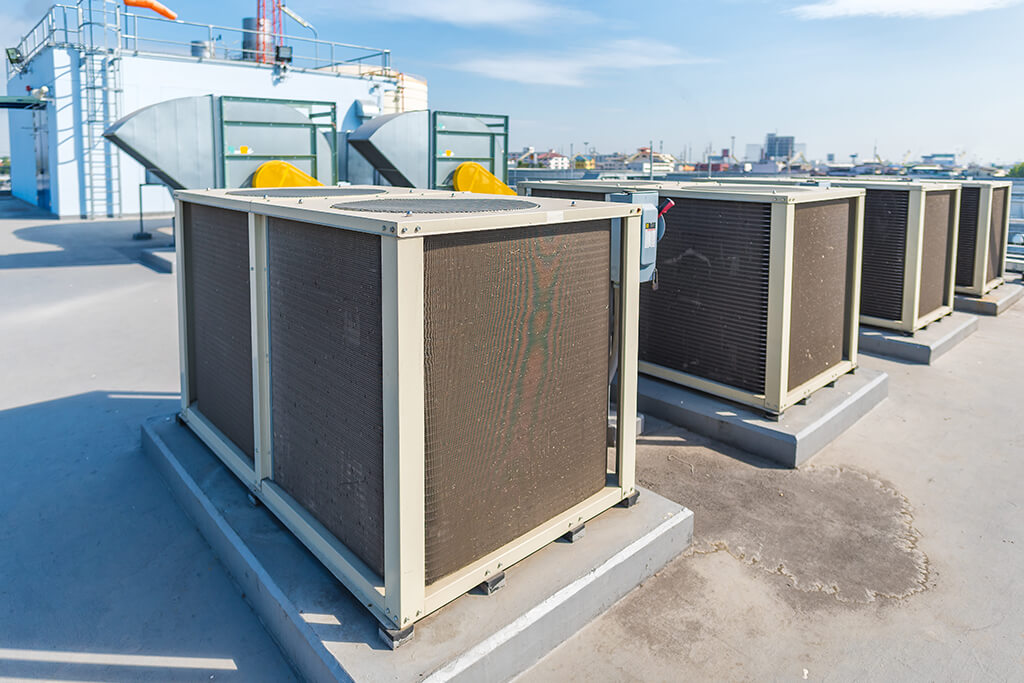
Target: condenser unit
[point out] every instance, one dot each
(910, 237)
(758, 289)
(910, 247)
(983, 235)
(414, 383)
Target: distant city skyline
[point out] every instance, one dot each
(843, 76)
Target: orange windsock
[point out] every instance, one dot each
(157, 7)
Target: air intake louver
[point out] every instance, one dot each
(885, 249)
(220, 352)
(939, 229)
(967, 237)
(325, 355)
(708, 316)
(819, 329)
(431, 375)
(534, 401)
(998, 233)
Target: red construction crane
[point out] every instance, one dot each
(270, 29)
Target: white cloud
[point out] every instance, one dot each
(471, 13)
(832, 9)
(575, 68)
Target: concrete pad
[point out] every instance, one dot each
(926, 345)
(328, 635)
(160, 259)
(994, 302)
(800, 433)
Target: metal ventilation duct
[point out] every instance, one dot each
(173, 139)
(397, 145)
(186, 144)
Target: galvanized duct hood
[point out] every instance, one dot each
(173, 139)
(185, 142)
(397, 145)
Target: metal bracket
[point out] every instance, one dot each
(492, 584)
(395, 637)
(630, 500)
(575, 534)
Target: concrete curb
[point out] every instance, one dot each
(801, 432)
(995, 302)
(551, 594)
(926, 346)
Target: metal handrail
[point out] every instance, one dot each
(55, 29)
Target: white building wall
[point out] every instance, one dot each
(147, 80)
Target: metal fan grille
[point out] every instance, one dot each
(437, 205)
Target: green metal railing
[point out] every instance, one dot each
(497, 132)
(314, 110)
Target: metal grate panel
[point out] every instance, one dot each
(326, 370)
(709, 316)
(884, 253)
(938, 226)
(437, 205)
(997, 230)
(306, 192)
(821, 279)
(516, 370)
(220, 334)
(967, 236)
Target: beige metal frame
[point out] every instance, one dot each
(983, 280)
(401, 597)
(777, 396)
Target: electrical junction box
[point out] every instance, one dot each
(652, 229)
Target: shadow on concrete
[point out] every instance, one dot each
(79, 243)
(662, 433)
(103, 577)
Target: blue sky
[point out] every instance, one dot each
(841, 75)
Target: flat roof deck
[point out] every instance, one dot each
(898, 551)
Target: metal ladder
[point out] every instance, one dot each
(100, 101)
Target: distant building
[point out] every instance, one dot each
(778, 147)
(642, 160)
(584, 162)
(945, 160)
(553, 160)
(610, 162)
(753, 153)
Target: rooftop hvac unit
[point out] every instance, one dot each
(415, 383)
(910, 247)
(983, 235)
(910, 236)
(758, 290)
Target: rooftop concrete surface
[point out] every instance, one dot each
(102, 576)
(897, 552)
